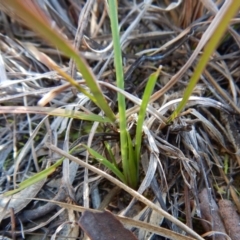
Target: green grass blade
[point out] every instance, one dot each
(142, 111)
(106, 163)
(120, 83)
(108, 147)
(35, 19)
(36, 178)
(132, 174)
(210, 47)
(74, 83)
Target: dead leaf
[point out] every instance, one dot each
(102, 226)
(230, 218)
(210, 214)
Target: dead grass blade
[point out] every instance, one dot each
(127, 189)
(54, 112)
(40, 23)
(19, 200)
(126, 221)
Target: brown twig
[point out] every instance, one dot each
(13, 223)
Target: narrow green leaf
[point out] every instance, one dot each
(106, 163)
(208, 50)
(132, 174)
(30, 13)
(36, 178)
(113, 13)
(226, 161)
(108, 147)
(142, 111)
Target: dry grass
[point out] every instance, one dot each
(199, 150)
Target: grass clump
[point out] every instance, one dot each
(157, 131)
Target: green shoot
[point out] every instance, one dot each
(120, 83)
(142, 112)
(106, 163)
(32, 16)
(210, 47)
